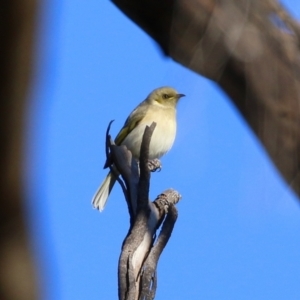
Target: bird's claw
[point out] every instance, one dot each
(154, 165)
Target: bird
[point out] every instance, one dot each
(159, 107)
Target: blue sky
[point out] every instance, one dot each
(237, 235)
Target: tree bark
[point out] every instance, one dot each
(142, 246)
(17, 20)
(250, 49)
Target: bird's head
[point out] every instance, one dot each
(165, 96)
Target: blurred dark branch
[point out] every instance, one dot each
(250, 49)
(141, 250)
(17, 30)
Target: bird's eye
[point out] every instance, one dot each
(165, 96)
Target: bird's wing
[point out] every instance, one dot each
(132, 121)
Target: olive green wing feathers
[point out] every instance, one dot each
(132, 121)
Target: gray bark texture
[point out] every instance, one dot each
(142, 247)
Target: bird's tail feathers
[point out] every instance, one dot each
(101, 196)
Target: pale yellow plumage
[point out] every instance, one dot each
(159, 107)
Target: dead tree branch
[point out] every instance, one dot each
(141, 250)
(149, 274)
(250, 49)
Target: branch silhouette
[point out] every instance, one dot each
(141, 249)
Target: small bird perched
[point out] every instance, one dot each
(159, 107)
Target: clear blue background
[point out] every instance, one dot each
(238, 231)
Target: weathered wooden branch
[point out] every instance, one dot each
(148, 274)
(141, 250)
(250, 49)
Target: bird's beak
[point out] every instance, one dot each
(180, 95)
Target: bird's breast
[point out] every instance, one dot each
(163, 136)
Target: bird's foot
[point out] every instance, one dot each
(154, 165)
